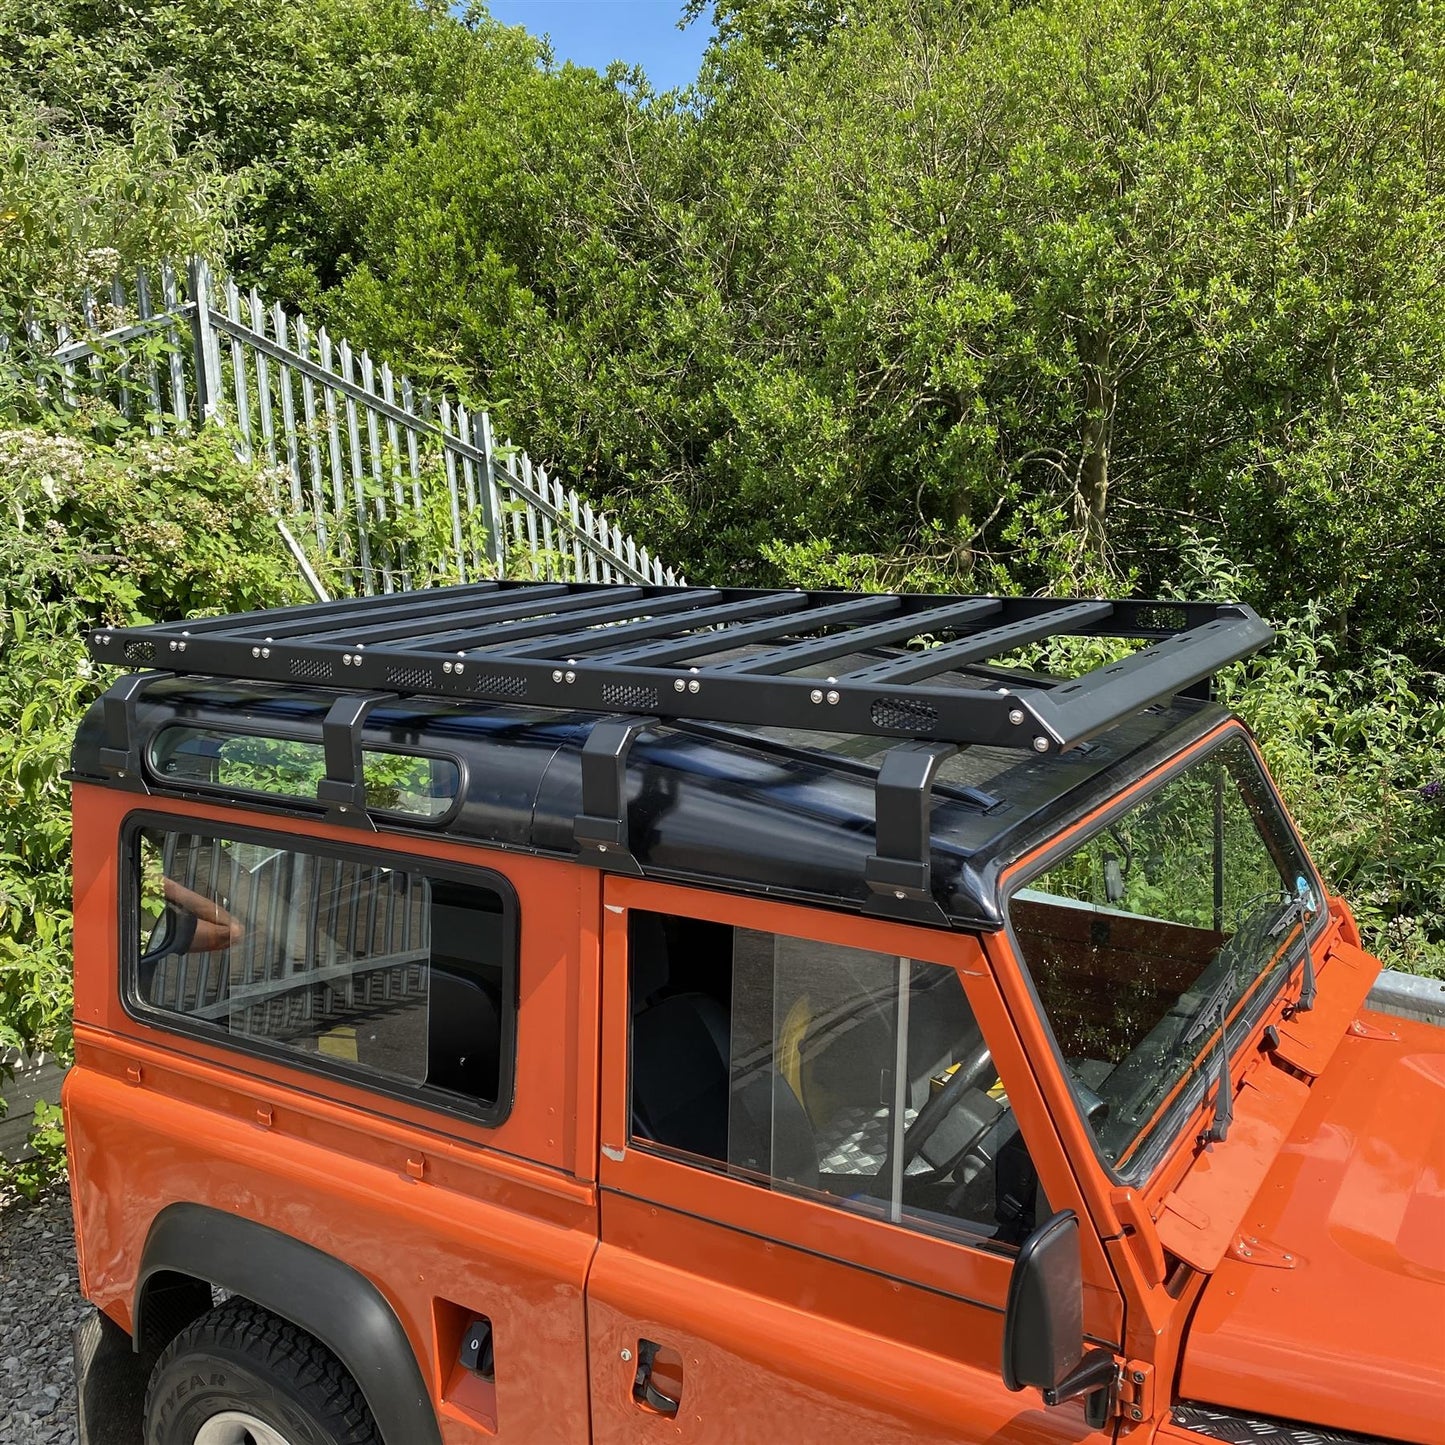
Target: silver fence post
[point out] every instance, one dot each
(491, 495)
(210, 400)
(573, 538)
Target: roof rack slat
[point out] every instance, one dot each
(417, 622)
(275, 621)
(498, 642)
(445, 631)
(918, 665)
(789, 659)
(702, 644)
(659, 623)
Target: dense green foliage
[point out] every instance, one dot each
(987, 294)
(1356, 752)
(1076, 294)
(115, 527)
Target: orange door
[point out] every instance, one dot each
(813, 1182)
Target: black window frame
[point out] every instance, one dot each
(457, 1105)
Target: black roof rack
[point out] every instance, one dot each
(721, 654)
(633, 655)
(694, 652)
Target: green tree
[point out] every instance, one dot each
(76, 207)
(776, 27)
(987, 295)
(283, 96)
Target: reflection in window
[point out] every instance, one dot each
(858, 1078)
(400, 973)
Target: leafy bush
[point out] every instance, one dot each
(28, 1178)
(1356, 752)
(79, 206)
(117, 527)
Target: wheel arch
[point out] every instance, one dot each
(313, 1290)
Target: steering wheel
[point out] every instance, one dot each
(973, 1072)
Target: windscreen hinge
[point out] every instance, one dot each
(1134, 1397)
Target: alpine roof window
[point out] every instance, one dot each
(412, 784)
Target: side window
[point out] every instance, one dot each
(860, 1079)
(393, 972)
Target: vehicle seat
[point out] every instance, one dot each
(464, 1035)
(771, 1132)
(680, 1074)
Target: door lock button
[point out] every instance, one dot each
(476, 1353)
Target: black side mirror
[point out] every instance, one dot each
(1043, 1326)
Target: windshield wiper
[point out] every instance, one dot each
(1296, 912)
(1218, 1130)
(1215, 1009)
(1218, 1000)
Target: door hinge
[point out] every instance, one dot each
(1134, 1399)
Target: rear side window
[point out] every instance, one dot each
(404, 976)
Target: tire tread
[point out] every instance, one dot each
(286, 1352)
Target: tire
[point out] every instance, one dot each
(241, 1376)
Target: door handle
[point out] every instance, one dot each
(646, 1390)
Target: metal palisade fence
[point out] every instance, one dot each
(385, 487)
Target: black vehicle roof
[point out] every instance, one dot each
(763, 810)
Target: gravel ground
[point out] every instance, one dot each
(39, 1303)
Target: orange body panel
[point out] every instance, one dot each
(1337, 1312)
(1200, 1218)
(502, 1221)
(793, 1316)
(779, 1345)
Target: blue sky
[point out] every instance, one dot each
(597, 32)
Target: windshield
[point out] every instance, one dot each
(1154, 928)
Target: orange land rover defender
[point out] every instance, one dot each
(559, 1013)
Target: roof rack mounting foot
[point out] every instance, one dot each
(120, 753)
(601, 827)
(343, 789)
(900, 874)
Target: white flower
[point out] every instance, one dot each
(99, 265)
